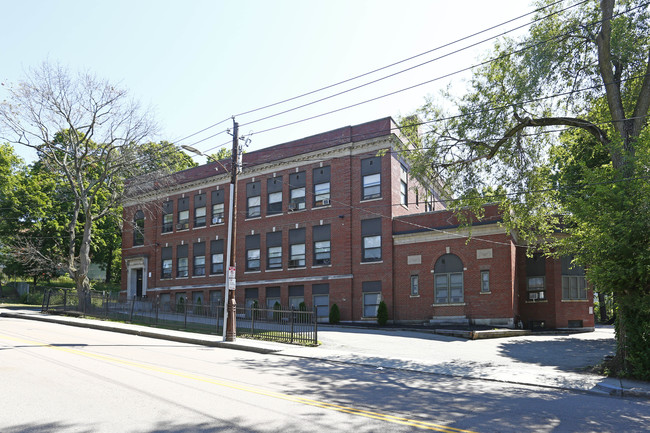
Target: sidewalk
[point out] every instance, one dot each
(552, 361)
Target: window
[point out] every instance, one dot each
(415, 285)
(371, 297)
(166, 256)
(485, 281)
(253, 252)
(297, 257)
(371, 240)
(448, 280)
(198, 265)
(253, 200)
(428, 203)
(168, 217)
(322, 247)
(138, 228)
(535, 278)
(371, 178)
(536, 288)
(274, 250)
(321, 300)
(183, 214)
(215, 299)
(322, 194)
(574, 287)
(574, 283)
(217, 207)
(403, 186)
(273, 297)
(168, 223)
(274, 257)
(371, 186)
(297, 191)
(199, 210)
(217, 213)
(274, 191)
(253, 207)
(321, 179)
(199, 217)
(296, 296)
(216, 257)
(253, 260)
(181, 261)
(297, 248)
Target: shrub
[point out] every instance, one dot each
(277, 315)
(382, 314)
(302, 317)
(335, 314)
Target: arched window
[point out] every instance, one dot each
(448, 280)
(138, 228)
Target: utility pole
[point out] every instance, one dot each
(230, 307)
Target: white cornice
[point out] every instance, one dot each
(447, 234)
(299, 160)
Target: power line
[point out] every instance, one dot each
(404, 70)
(394, 64)
(439, 78)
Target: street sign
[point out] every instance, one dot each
(232, 281)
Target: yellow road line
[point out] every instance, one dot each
(331, 406)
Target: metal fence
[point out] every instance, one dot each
(286, 325)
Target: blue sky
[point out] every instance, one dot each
(198, 62)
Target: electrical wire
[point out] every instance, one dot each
(408, 69)
(394, 64)
(435, 79)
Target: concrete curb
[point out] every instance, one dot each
(144, 333)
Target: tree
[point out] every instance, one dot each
(382, 314)
(586, 69)
(86, 131)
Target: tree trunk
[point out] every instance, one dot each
(602, 307)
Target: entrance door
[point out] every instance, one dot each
(138, 283)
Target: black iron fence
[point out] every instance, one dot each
(286, 325)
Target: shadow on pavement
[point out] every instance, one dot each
(567, 354)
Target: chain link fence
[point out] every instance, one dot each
(285, 325)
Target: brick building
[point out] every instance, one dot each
(336, 219)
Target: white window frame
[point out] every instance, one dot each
(253, 256)
(370, 244)
(216, 259)
(297, 254)
(198, 263)
(415, 285)
(371, 182)
(272, 255)
(254, 206)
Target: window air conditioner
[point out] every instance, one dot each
(326, 202)
(293, 206)
(533, 296)
(217, 220)
(179, 226)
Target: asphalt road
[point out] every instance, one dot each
(58, 378)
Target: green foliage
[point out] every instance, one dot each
(382, 314)
(590, 181)
(634, 316)
(163, 156)
(335, 314)
(222, 153)
(277, 315)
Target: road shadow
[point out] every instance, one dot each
(568, 354)
(445, 400)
